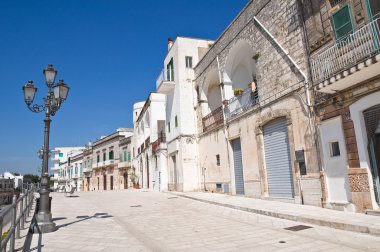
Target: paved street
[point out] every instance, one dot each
(136, 220)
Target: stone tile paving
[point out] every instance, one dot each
(315, 215)
(134, 220)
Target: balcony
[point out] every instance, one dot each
(165, 81)
(124, 165)
(159, 143)
(213, 119)
(351, 60)
(103, 163)
(241, 103)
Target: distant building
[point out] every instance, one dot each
(18, 179)
(108, 173)
(6, 190)
(60, 158)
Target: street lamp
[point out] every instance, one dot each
(56, 95)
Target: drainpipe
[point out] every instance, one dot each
(290, 59)
(226, 135)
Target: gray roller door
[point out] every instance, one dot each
(238, 166)
(277, 158)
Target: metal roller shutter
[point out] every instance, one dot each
(277, 158)
(238, 166)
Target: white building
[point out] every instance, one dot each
(181, 126)
(59, 158)
(18, 179)
(149, 144)
(165, 148)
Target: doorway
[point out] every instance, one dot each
(125, 176)
(238, 166)
(111, 182)
(372, 122)
(104, 182)
(88, 184)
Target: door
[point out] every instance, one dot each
(147, 172)
(111, 182)
(277, 159)
(335, 161)
(372, 122)
(98, 184)
(88, 184)
(174, 174)
(104, 182)
(125, 180)
(238, 166)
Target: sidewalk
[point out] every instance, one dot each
(356, 222)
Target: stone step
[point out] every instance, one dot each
(373, 212)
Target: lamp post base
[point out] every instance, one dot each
(44, 223)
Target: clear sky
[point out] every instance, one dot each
(108, 51)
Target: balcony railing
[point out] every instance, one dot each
(241, 103)
(213, 119)
(165, 75)
(347, 52)
(156, 144)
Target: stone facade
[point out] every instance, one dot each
(279, 94)
(348, 86)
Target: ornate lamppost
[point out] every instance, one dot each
(56, 95)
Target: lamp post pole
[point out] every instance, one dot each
(57, 94)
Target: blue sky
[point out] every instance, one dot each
(108, 51)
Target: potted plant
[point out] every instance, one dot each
(238, 91)
(135, 181)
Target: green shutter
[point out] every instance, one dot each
(129, 156)
(125, 156)
(342, 22)
(97, 158)
(104, 156)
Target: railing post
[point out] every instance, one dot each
(26, 202)
(1, 231)
(25, 199)
(13, 225)
(18, 223)
(22, 210)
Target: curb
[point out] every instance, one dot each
(310, 220)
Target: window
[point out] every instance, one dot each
(110, 155)
(120, 157)
(334, 149)
(97, 158)
(170, 70)
(342, 22)
(125, 156)
(129, 156)
(189, 61)
(169, 127)
(60, 154)
(218, 160)
(104, 156)
(176, 121)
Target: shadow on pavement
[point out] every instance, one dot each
(86, 217)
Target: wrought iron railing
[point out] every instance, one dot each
(347, 52)
(19, 211)
(213, 119)
(156, 144)
(241, 103)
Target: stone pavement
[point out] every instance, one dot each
(137, 220)
(356, 222)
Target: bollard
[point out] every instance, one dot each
(13, 224)
(22, 210)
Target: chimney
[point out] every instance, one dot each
(170, 43)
